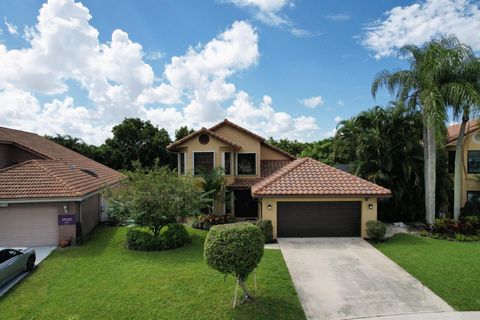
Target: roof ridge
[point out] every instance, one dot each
(63, 182)
(17, 165)
(226, 121)
(277, 175)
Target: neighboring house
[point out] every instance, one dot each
(48, 193)
(471, 161)
(302, 197)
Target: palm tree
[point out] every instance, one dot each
(426, 87)
(213, 184)
(462, 92)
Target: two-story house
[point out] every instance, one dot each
(470, 160)
(302, 197)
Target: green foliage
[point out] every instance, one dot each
(213, 184)
(449, 228)
(267, 230)
(156, 197)
(174, 235)
(376, 230)
(142, 239)
(138, 140)
(384, 145)
(182, 132)
(293, 147)
(206, 221)
(321, 150)
(117, 211)
(234, 249)
(471, 209)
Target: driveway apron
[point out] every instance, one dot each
(347, 278)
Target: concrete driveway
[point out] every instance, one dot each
(347, 278)
(40, 254)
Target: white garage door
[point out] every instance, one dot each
(34, 226)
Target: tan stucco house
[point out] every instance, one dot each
(48, 193)
(302, 197)
(470, 160)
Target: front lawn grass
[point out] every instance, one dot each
(104, 280)
(450, 269)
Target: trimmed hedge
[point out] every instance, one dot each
(206, 221)
(376, 230)
(267, 230)
(173, 235)
(234, 249)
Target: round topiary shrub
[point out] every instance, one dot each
(376, 230)
(235, 249)
(267, 230)
(174, 235)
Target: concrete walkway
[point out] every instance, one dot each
(347, 278)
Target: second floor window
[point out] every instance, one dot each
(473, 161)
(451, 161)
(202, 161)
(246, 164)
(227, 163)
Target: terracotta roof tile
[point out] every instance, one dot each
(454, 130)
(268, 167)
(173, 146)
(59, 174)
(308, 177)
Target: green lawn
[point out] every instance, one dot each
(450, 269)
(103, 280)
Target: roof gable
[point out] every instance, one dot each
(309, 177)
(178, 143)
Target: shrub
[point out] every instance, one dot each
(471, 209)
(143, 240)
(376, 230)
(174, 235)
(206, 221)
(469, 225)
(267, 230)
(234, 249)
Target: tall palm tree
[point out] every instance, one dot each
(425, 87)
(462, 93)
(213, 184)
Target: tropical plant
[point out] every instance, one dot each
(428, 87)
(213, 184)
(157, 196)
(321, 150)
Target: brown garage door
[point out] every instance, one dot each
(319, 219)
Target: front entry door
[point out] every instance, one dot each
(245, 206)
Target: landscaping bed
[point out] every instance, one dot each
(448, 268)
(104, 280)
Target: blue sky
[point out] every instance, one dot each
(312, 62)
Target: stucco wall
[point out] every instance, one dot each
(90, 213)
(366, 214)
(470, 182)
(270, 154)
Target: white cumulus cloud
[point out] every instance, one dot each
(194, 89)
(312, 102)
(420, 22)
(11, 28)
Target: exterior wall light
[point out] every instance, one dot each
(269, 207)
(65, 209)
(370, 206)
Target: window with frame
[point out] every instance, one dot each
(473, 162)
(473, 196)
(181, 163)
(246, 163)
(202, 161)
(451, 161)
(227, 163)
